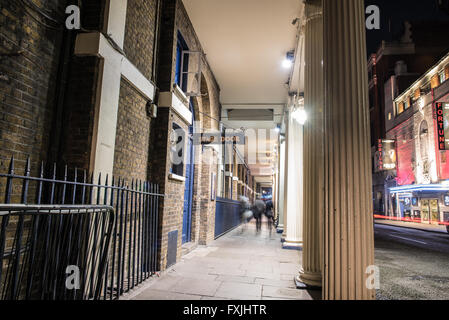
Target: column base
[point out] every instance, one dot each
(308, 281)
(280, 228)
(288, 245)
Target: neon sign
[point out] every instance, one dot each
(442, 125)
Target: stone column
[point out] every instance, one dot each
(295, 187)
(348, 218)
(280, 201)
(310, 273)
(284, 199)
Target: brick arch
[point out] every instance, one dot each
(201, 207)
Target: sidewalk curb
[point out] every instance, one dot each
(410, 227)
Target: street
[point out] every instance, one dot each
(413, 264)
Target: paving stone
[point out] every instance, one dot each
(276, 292)
(264, 275)
(288, 268)
(277, 283)
(167, 282)
(193, 286)
(239, 291)
(238, 279)
(164, 295)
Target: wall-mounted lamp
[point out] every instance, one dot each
(288, 61)
(300, 115)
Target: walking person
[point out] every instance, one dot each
(259, 209)
(245, 212)
(269, 213)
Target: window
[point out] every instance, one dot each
(177, 145)
(442, 76)
(182, 63)
(400, 108)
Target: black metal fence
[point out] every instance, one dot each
(227, 216)
(41, 246)
(132, 257)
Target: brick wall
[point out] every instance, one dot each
(174, 19)
(133, 135)
(140, 34)
(80, 112)
(29, 60)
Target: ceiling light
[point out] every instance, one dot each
(300, 115)
(287, 64)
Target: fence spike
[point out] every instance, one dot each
(27, 167)
(11, 166)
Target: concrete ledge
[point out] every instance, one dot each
(175, 177)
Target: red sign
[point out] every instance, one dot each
(440, 113)
(386, 155)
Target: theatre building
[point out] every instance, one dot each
(416, 122)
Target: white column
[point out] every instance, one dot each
(310, 273)
(348, 219)
(281, 205)
(294, 190)
(286, 123)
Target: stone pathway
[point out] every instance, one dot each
(238, 266)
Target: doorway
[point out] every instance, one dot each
(188, 193)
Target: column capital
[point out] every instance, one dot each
(313, 9)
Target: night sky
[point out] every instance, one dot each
(395, 12)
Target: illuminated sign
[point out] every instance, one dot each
(442, 115)
(218, 138)
(387, 155)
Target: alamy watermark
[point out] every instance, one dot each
(373, 277)
(73, 21)
(72, 281)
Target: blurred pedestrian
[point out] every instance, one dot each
(245, 212)
(258, 211)
(269, 213)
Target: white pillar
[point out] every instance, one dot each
(281, 205)
(294, 190)
(310, 273)
(348, 219)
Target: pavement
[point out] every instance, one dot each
(241, 265)
(413, 225)
(414, 264)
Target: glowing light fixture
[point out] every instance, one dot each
(287, 64)
(300, 115)
(288, 61)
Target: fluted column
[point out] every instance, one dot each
(348, 219)
(294, 190)
(310, 272)
(284, 200)
(281, 203)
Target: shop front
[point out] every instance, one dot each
(428, 204)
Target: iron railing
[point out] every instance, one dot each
(39, 245)
(132, 257)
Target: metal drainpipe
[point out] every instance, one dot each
(55, 147)
(156, 41)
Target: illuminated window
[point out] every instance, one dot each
(442, 76)
(400, 107)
